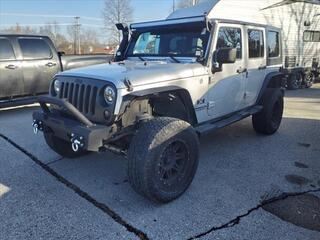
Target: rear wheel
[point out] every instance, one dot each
(309, 79)
(269, 119)
(294, 81)
(60, 146)
(163, 159)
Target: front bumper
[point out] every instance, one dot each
(77, 129)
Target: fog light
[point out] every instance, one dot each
(107, 115)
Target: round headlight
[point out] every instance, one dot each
(57, 86)
(109, 94)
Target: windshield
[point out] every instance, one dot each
(169, 42)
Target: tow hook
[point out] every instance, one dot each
(76, 142)
(37, 126)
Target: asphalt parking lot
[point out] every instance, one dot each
(247, 186)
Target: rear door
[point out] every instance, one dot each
(11, 78)
(256, 62)
(40, 64)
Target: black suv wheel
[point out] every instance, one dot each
(60, 146)
(269, 119)
(309, 79)
(294, 81)
(163, 158)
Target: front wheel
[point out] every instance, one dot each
(269, 119)
(163, 158)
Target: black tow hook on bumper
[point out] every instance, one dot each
(74, 127)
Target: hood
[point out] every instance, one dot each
(137, 72)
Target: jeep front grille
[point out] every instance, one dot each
(82, 96)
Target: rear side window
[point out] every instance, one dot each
(256, 43)
(311, 36)
(230, 37)
(316, 36)
(34, 49)
(6, 50)
(307, 36)
(273, 44)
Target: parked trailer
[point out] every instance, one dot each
(300, 24)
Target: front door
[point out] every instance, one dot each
(39, 65)
(226, 88)
(11, 78)
(256, 63)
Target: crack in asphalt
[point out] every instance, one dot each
(117, 218)
(54, 161)
(235, 221)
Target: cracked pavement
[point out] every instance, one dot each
(45, 196)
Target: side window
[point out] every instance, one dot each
(230, 37)
(273, 44)
(6, 50)
(256, 43)
(307, 36)
(34, 48)
(316, 36)
(311, 36)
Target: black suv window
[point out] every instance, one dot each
(230, 37)
(273, 44)
(256, 43)
(6, 50)
(34, 48)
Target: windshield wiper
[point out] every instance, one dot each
(174, 59)
(141, 58)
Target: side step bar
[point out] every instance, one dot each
(17, 102)
(209, 127)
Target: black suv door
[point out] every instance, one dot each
(11, 78)
(39, 62)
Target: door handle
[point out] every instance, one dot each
(242, 70)
(262, 67)
(50, 64)
(11, 66)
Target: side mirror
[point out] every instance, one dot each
(226, 55)
(223, 56)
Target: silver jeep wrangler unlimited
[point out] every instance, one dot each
(172, 81)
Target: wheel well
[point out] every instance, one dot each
(277, 81)
(176, 104)
(173, 103)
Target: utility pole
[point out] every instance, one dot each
(78, 33)
(193, 2)
(173, 5)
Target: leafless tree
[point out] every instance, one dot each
(18, 29)
(116, 11)
(187, 3)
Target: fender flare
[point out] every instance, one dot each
(183, 94)
(267, 83)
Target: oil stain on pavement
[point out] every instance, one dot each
(300, 165)
(302, 211)
(298, 180)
